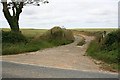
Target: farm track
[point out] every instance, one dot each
(68, 56)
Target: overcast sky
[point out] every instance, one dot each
(69, 13)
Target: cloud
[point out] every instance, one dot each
(70, 13)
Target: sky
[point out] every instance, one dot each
(68, 13)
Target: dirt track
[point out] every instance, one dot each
(69, 56)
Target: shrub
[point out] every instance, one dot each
(68, 35)
(82, 42)
(111, 40)
(107, 50)
(12, 37)
(58, 33)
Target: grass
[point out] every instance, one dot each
(104, 55)
(106, 50)
(9, 48)
(33, 32)
(109, 57)
(96, 29)
(30, 33)
(34, 42)
(93, 31)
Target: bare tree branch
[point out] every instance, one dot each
(5, 10)
(19, 10)
(13, 9)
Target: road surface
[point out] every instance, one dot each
(15, 70)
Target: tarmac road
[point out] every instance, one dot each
(16, 70)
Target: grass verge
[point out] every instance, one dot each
(16, 48)
(106, 50)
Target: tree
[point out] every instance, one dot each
(16, 6)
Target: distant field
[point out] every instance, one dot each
(96, 29)
(93, 31)
(30, 32)
(33, 32)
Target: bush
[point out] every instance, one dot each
(111, 40)
(68, 35)
(107, 50)
(82, 42)
(58, 33)
(13, 37)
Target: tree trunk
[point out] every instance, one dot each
(14, 25)
(13, 20)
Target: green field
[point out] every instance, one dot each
(30, 32)
(96, 29)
